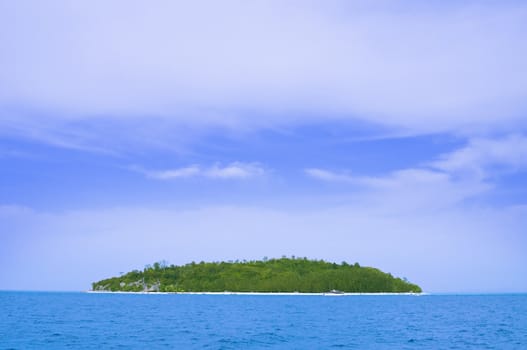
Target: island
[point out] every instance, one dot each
(282, 275)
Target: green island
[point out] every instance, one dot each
(268, 275)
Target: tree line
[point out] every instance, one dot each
(268, 275)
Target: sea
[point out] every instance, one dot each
(53, 320)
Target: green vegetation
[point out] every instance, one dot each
(273, 275)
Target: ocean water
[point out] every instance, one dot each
(31, 320)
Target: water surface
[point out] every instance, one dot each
(31, 320)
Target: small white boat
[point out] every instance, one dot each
(334, 293)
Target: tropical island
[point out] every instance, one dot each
(268, 275)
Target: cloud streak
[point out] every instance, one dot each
(235, 170)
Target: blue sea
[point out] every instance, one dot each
(35, 320)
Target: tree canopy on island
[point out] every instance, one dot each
(268, 275)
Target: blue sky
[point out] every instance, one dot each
(390, 133)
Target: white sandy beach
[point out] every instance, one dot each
(255, 293)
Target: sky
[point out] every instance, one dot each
(389, 133)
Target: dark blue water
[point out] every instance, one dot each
(30, 320)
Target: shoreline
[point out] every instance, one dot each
(256, 293)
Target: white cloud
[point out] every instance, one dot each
(235, 170)
(452, 178)
(122, 67)
(481, 157)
